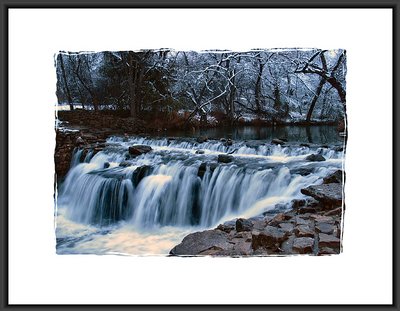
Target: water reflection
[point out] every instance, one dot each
(308, 134)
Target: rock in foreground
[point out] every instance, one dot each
(325, 193)
(199, 242)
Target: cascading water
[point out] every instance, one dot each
(176, 186)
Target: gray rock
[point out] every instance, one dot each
(315, 158)
(199, 151)
(321, 218)
(301, 221)
(243, 225)
(242, 248)
(298, 203)
(225, 158)
(304, 231)
(303, 245)
(336, 211)
(227, 226)
(139, 149)
(259, 224)
(198, 242)
(306, 209)
(325, 193)
(324, 227)
(287, 246)
(336, 177)
(270, 237)
(286, 226)
(326, 240)
(312, 202)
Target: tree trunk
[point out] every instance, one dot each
(132, 85)
(315, 98)
(258, 88)
(69, 98)
(231, 103)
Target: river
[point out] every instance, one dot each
(113, 203)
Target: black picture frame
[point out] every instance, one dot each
(4, 139)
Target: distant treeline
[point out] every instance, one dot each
(277, 85)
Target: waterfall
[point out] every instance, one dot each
(174, 186)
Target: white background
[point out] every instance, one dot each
(362, 274)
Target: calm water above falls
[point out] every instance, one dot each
(147, 205)
(322, 134)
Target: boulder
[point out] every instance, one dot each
(336, 211)
(140, 173)
(336, 177)
(259, 224)
(287, 246)
(199, 151)
(296, 203)
(315, 158)
(271, 237)
(212, 251)
(227, 226)
(286, 226)
(202, 169)
(303, 245)
(225, 158)
(306, 209)
(198, 242)
(301, 221)
(106, 165)
(202, 139)
(324, 227)
(312, 202)
(325, 219)
(304, 231)
(277, 141)
(243, 235)
(139, 149)
(242, 248)
(325, 193)
(243, 225)
(326, 240)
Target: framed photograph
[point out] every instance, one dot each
(199, 154)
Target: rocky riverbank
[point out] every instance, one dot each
(88, 130)
(312, 226)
